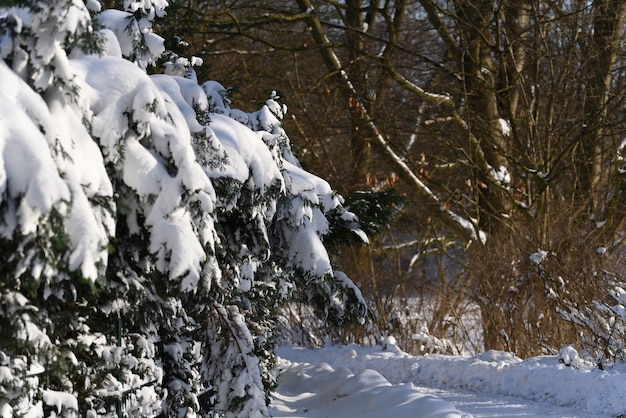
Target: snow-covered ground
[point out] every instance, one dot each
(383, 381)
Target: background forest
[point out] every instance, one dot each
(492, 132)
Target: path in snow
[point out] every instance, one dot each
(356, 381)
(481, 405)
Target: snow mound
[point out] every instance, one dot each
(318, 390)
(543, 383)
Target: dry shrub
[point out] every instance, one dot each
(417, 293)
(537, 295)
(529, 291)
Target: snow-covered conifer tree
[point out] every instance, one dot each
(148, 230)
(133, 28)
(57, 207)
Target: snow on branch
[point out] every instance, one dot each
(149, 230)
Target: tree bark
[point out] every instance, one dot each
(598, 147)
(479, 72)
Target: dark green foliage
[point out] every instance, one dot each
(374, 210)
(143, 274)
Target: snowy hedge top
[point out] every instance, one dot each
(147, 128)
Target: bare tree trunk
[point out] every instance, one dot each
(491, 61)
(480, 74)
(358, 72)
(598, 147)
(517, 15)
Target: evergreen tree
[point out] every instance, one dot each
(57, 209)
(148, 230)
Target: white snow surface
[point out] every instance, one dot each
(356, 381)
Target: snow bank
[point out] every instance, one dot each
(542, 379)
(318, 390)
(589, 390)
